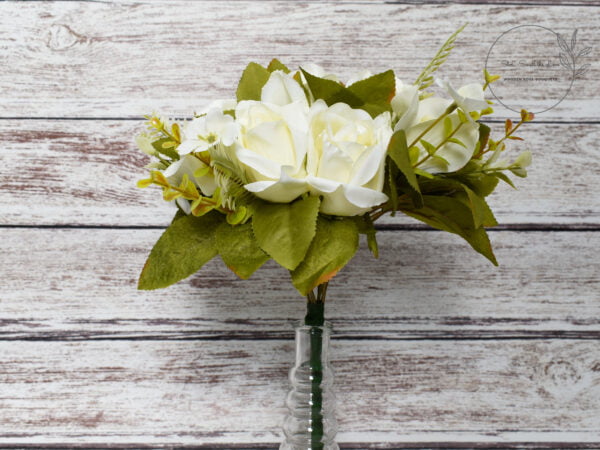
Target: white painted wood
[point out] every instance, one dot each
(116, 59)
(435, 347)
(84, 173)
(203, 392)
(78, 284)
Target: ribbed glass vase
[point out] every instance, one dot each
(310, 423)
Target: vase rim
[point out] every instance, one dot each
(299, 324)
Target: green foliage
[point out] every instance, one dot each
(398, 152)
(166, 146)
(425, 79)
(285, 230)
(481, 212)
(239, 250)
(364, 225)
(253, 79)
(334, 245)
(275, 64)
(453, 214)
(373, 94)
(330, 91)
(482, 183)
(185, 246)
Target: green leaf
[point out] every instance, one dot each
(482, 214)
(185, 246)
(275, 64)
(253, 79)
(168, 151)
(376, 90)
(374, 109)
(505, 178)
(365, 226)
(334, 245)
(425, 79)
(239, 250)
(326, 89)
(285, 230)
(398, 151)
(483, 184)
(428, 146)
(453, 215)
(448, 127)
(392, 188)
(484, 135)
(423, 173)
(457, 141)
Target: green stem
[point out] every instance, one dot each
(315, 318)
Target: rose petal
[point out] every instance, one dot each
(283, 190)
(281, 89)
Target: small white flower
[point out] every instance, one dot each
(469, 98)
(144, 142)
(205, 131)
(452, 156)
(189, 164)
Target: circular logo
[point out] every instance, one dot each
(537, 67)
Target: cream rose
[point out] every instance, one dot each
(272, 140)
(288, 149)
(346, 157)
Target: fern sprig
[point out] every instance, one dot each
(426, 78)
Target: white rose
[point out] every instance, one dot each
(346, 157)
(272, 140)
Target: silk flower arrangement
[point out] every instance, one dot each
(300, 164)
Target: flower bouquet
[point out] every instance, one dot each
(299, 165)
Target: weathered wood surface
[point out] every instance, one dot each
(435, 348)
(74, 172)
(202, 392)
(80, 284)
(126, 59)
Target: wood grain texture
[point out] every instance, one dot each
(434, 347)
(81, 284)
(84, 173)
(125, 59)
(198, 392)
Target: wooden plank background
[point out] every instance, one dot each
(434, 348)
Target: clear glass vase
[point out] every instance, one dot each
(310, 423)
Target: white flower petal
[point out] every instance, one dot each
(405, 105)
(184, 205)
(281, 89)
(263, 166)
(431, 108)
(469, 98)
(283, 190)
(187, 166)
(348, 200)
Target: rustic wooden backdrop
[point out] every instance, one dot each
(434, 347)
